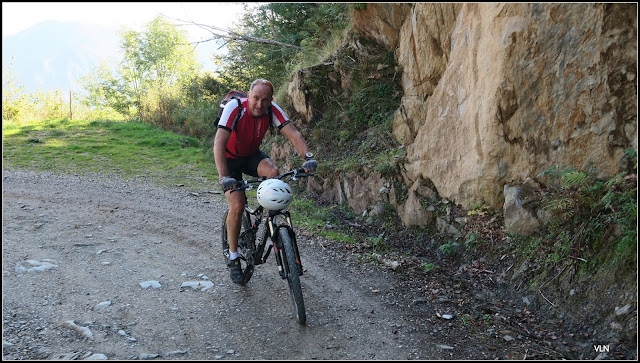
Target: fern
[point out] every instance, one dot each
(611, 195)
(595, 219)
(574, 179)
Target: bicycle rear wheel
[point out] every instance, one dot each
(293, 275)
(246, 242)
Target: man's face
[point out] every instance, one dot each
(259, 100)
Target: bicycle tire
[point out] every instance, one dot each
(246, 242)
(293, 275)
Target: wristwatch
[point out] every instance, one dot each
(308, 156)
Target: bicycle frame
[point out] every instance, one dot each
(270, 229)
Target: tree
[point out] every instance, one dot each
(305, 26)
(104, 91)
(158, 60)
(157, 63)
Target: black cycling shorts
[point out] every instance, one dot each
(248, 165)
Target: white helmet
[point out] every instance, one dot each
(274, 194)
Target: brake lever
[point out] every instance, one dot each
(301, 175)
(243, 187)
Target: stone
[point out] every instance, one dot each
(151, 283)
(444, 347)
(197, 285)
(413, 214)
(516, 218)
(96, 356)
(623, 310)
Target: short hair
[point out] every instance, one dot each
(261, 81)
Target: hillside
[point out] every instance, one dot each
(497, 107)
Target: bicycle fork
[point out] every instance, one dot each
(277, 244)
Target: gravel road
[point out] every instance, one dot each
(105, 268)
(97, 267)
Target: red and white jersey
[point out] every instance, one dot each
(248, 132)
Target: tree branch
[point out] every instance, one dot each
(220, 33)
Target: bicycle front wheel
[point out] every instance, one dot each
(293, 275)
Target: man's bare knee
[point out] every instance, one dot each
(236, 209)
(273, 172)
(268, 168)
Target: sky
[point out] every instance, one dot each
(18, 16)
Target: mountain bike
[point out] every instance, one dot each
(260, 225)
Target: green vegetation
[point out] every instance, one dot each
(148, 83)
(465, 319)
(594, 223)
(308, 26)
(354, 93)
(158, 82)
(428, 267)
(322, 221)
(378, 244)
(128, 149)
(449, 248)
(19, 107)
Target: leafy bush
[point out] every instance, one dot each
(19, 107)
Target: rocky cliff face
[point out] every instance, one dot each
(497, 93)
(494, 94)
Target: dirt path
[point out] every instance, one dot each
(89, 242)
(79, 252)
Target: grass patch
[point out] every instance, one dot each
(318, 219)
(128, 149)
(428, 267)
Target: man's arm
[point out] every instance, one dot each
(219, 151)
(292, 133)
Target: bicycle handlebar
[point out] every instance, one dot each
(296, 173)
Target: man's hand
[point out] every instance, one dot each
(227, 183)
(310, 165)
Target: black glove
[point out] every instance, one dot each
(310, 165)
(227, 183)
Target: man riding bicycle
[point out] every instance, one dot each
(236, 150)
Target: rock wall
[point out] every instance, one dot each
(494, 94)
(497, 93)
